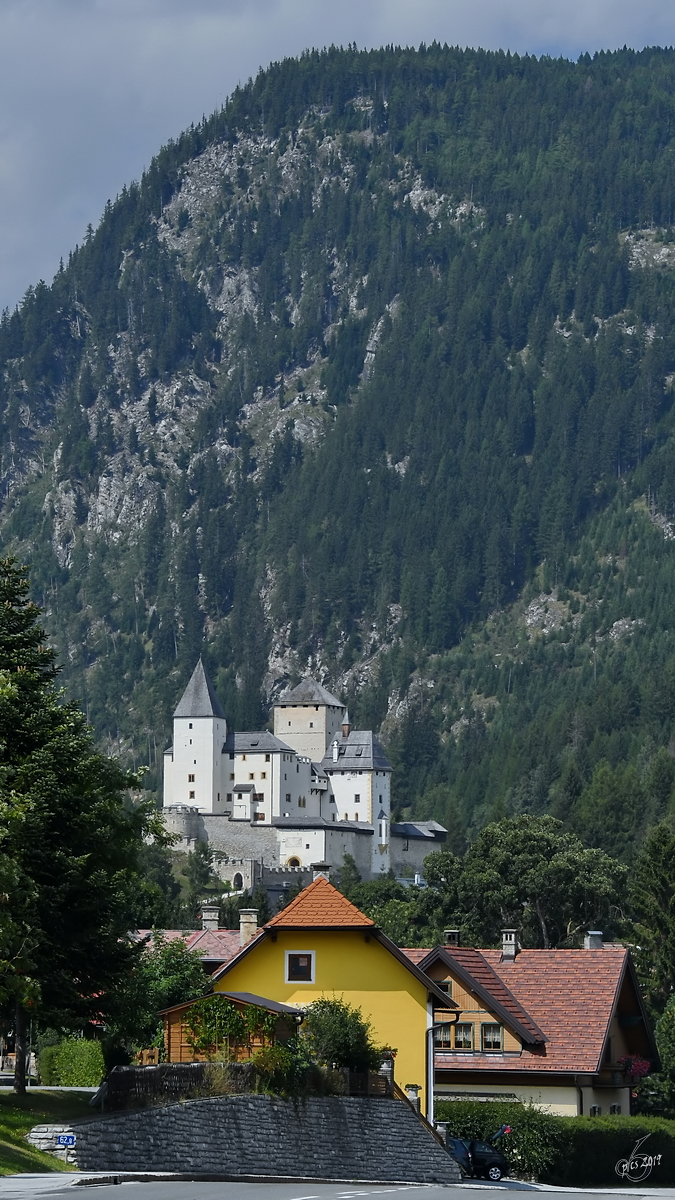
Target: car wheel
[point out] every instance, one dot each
(495, 1174)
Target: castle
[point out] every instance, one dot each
(270, 804)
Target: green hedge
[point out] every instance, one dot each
(75, 1062)
(571, 1151)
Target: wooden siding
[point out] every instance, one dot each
(472, 1011)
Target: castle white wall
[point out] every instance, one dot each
(196, 774)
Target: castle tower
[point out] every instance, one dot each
(308, 718)
(193, 765)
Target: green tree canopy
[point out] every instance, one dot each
(69, 839)
(527, 873)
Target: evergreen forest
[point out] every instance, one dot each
(371, 376)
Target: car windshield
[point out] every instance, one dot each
(483, 1147)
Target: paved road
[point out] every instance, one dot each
(60, 1187)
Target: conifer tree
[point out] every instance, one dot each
(68, 840)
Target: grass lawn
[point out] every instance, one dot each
(18, 1114)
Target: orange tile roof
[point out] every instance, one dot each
(320, 906)
(569, 994)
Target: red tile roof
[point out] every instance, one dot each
(320, 906)
(212, 944)
(476, 965)
(568, 994)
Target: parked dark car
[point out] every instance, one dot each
(478, 1160)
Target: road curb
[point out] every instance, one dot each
(190, 1177)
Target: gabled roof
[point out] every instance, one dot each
(308, 692)
(212, 945)
(254, 742)
(274, 1006)
(320, 906)
(199, 698)
(568, 996)
(360, 751)
(472, 969)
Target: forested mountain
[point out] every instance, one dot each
(372, 375)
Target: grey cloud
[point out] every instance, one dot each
(89, 89)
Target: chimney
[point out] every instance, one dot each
(210, 914)
(593, 940)
(320, 870)
(452, 937)
(248, 925)
(509, 944)
(335, 751)
(346, 727)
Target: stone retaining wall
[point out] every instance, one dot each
(328, 1137)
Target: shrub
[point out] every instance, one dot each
(567, 1151)
(596, 1144)
(336, 1033)
(48, 1066)
(74, 1062)
(535, 1144)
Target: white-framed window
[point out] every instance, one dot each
(300, 966)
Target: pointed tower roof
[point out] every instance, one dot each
(199, 698)
(308, 692)
(320, 906)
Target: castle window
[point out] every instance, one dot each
(243, 758)
(231, 776)
(302, 802)
(263, 774)
(192, 795)
(258, 816)
(311, 724)
(229, 797)
(357, 797)
(191, 778)
(267, 758)
(251, 775)
(190, 725)
(288, 797)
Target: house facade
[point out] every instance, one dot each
(554, 1028)
(320, 945)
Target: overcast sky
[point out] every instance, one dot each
(90, 89)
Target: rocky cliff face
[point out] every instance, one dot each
(355, 360)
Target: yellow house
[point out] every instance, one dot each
(322, 946)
